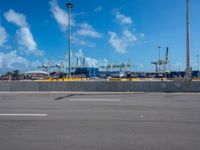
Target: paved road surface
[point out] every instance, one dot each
(129, 121)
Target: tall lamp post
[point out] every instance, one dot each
(188, 68)
(69, 7)
(198, 64)
(159, 58)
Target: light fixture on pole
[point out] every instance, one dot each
(69, 7)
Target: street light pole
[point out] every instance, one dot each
(188, 69)
(159, 58)
(159, 52)
(198, 64)
(69, 6)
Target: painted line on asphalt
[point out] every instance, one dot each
(112, 100)
(25, 115)
(93, 93)
(67, 92)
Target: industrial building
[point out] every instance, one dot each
(87, 72)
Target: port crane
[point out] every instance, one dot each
(161, 62)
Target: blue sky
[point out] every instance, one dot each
(34, 32)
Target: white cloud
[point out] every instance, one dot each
(98, 9)
(34, 64)
(80, 41)
(86, 43)
(3, 36)
(120, 44)
(25, 39)
(12, 61)
(141, 35)
(79, 54)
(83, 30)
(60, 15)
(88, 30)
(122, 19)
(24, 35)
(129, 36)
(91, 62)
(16, 18)
(103, 62)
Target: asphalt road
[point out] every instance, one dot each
(99, 121)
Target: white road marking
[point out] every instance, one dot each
(114, 100)
(25, 115)
(140, 116)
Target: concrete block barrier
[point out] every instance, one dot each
(102, 86)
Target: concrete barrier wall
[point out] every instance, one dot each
(102, 86)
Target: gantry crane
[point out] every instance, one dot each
(161, 62)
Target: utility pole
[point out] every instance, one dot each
(69, 6)
(188, 69)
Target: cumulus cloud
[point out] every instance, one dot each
(89, 61)
(123, 19)
(12, 61)
(88, 30)
(92, 62)
(3, 36)
(81, 41)
(124, 40)
(25, 40)
(34, 64)
(121, 43)
(117, 43)
(83, 30)
(103, 62)
(24, 35)
(16, 18)
(60, 15)
(98, 9)
(79, 54)
(129, 36)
